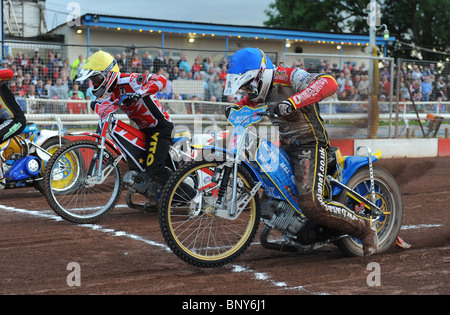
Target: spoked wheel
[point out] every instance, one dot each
(51, 145)
(198, 231)
(74, 189)
(387, 197)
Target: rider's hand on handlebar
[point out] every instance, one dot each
(228, 110)
(131, 98)
(284, 108)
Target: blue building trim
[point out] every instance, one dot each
(164, 26)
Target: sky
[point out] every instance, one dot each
(234, 12)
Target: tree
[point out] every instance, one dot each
(423, 23)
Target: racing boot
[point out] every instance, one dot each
(2, 177)
(370, 241)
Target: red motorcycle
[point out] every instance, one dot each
(83, 179)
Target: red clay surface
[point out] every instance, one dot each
(126, 254)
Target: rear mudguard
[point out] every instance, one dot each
(351, 164)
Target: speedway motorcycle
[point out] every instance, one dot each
(83, 179)
(24, 156)
(219, 223)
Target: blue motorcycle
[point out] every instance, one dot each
(218, 224)
(23, 157)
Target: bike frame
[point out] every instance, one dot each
(279, 182)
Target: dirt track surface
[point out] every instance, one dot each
(126, 254)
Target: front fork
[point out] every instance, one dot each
(96, 173)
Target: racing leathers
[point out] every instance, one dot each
(305, 140)
(149, 115)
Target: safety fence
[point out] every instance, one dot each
(199, 96)
(211, 114)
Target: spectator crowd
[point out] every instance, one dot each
(51, 77)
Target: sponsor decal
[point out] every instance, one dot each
(152, 149)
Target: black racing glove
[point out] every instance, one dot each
(92, 105)
(228, 110)
(284, 108)
(131, 98)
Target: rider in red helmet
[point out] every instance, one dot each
(302, 133)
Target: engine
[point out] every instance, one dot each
(282, 216)
(145, 186)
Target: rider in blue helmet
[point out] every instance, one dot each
(303, 136)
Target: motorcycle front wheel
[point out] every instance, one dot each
(73, 188)
(387, 197)
(193, 230)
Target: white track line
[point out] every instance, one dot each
(261, 276)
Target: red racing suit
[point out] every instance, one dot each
(150, 117)
(304, 138)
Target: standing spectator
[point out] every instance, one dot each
(76, 66)
(26, 82)
(10, 61)
(48, 86)
(37, 60)
(31, 96)
(209, 76)
(35, 76)
(170, 66)
(223, 63)
(404, 93)
(223, 74)
(385, 85)
(147, 61)
(416, 74)
(159, 62)
(76, 108)
(440, 87)
(174, 74)
(209, 63)
(341, 81)
(41, 91)
(427, 89)
(136, 64)
(51, 65)
(58, 62)
(363, 87)
(184, 64)
(58, 91)
(119, 62)
(215, 88)
(197, 66)
(89, 92)
(124, 61)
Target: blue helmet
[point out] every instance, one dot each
(251, 70)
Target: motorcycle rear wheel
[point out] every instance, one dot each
(387, 197)
(199, 236)
(72, 192)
